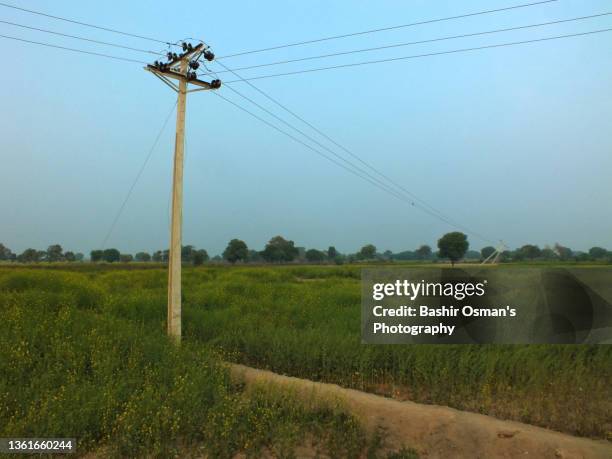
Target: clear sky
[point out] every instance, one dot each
(514, 143)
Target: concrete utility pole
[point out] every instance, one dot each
(180, 67)
(494, 257)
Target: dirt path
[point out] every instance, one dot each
(441, 432)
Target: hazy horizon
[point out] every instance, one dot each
(513, 143)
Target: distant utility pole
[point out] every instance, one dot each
(181, 67)
(494, 257)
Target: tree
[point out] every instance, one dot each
(111, 255)
(315, 256)
(388, 255)
(78, 256)
(548, 254)
(278, 249)
(157, 256)
(236, 250)
(5, 253)
(405, 255)
(199, 257)
(565, 253)
(126, 258)
(367, 252)
(582, 256)
(453, 246)
(142, 257)
(187, 252)
(486, 252)
(530, 251)
(96, 255)
(29, 256)
(596, 253)
(254, 256)
(423, 252)
(69, 256)
(55, 253)
(332, 253)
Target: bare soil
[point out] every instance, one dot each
(437, 431)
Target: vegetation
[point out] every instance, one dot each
(236, 250)
(305, 321)
(297, 320)
(315, 256)
(76, 360)
(453, 246)
(281, 250)
(423, 252)
(486, 252)
(367, 252)
(191, 255)
(142, 257)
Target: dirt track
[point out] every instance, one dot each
(441, 432)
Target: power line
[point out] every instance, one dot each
(310, 147)
(416, 56)
(292, 113)
(116, 45)
(377, 48)
(387, 190)
(142, 168)
(73, 49)
(372, 179)
(430, 21)
(361, 171)
(59, 18)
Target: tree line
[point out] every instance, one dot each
(452, 247)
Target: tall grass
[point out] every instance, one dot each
(72, 364)
(305, 321)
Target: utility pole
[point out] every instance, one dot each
(494, 257)
(181, 67)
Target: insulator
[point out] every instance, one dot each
(174, 56)
(169, 55)
(189, 47)
(156, 64)
(209, 55)
(184, 45)
(194, 65)
(215, 84)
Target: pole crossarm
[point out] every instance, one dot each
(178, 76)
(177, 58)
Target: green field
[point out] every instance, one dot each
(91, 341)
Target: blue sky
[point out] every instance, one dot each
(513, 143)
